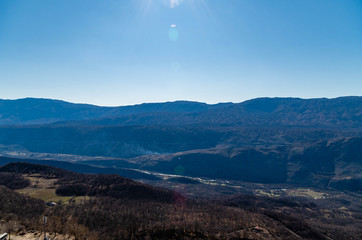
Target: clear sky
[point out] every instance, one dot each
(121, 52)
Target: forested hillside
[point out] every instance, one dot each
(113, 207)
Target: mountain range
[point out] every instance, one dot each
(310, 142)
(343, 112)
(42, 111)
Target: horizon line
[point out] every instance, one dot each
(174, 101)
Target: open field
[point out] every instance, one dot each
(297, 192)
(44, 189)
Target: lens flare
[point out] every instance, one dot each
(179, 170)
(175, 66)
(173, 34)
(172, 3)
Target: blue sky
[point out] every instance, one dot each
(121, 52)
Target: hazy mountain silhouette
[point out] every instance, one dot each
(344, 112)
(40, 111)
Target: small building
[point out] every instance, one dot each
(3, 236)
(50, 204)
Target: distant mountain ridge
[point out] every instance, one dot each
(43, 111)
(342, 112)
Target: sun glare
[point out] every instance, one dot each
(174, 3)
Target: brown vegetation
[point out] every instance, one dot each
(121, 208)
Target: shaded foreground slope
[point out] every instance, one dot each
(330, 163)
(152, 216)
(296, 157)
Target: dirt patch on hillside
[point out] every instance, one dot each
(38, 236)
